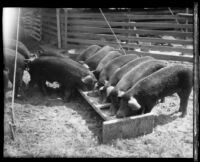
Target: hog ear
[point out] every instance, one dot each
(101, 88)
(108, 90)
(120, 93)
(96, 85)
(85, 65)
(134, 105)
(84, 80)
(106, 82)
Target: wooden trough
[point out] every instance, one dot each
(113, 128)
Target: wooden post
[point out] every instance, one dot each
(65, 30)
(58, 27)
(196, 80)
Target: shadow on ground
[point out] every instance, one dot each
(163, 119)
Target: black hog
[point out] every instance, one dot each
(109, 57)
(143, 96)
(94, 60)
(129, 79)
(22, 49)
(67, 72)
(90, 51)
(111, 66)
(9, 57)
(120, 72)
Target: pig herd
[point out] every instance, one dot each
(132, 84)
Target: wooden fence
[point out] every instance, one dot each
(31, 23)
(145, 32)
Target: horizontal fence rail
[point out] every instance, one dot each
(125, 31)
(125, 38)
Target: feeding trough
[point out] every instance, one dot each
(113, 128)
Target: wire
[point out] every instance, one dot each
(118, 41)
(174, 16)
(15, 66)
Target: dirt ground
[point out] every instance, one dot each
(48, 127)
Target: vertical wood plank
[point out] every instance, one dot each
(196, 79)
(58, 27)
(65, 30)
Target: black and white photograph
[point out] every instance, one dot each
(100, 82)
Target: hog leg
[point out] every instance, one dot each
(103, 97)
(184, 96)
(19, 83)
(162, 100)
(73, 92)
(150, 103)
(66, 93)
(123, 110)
(42, 86)
(113, 106)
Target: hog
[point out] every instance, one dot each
(109, 57)
(90, 51)
(57, 54)
(120, 72)
(113, 65)
(94, 60)
(143, 96)
(22, 49)
(129, 79)
(67, 72)
(9, 58)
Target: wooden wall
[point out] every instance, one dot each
(145, 31)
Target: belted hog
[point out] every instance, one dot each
(120, 72)
(90, 51)
(109, 57)
(94, 60)
(111, 66)
(143, 96)
(129, 79)
(9, 57)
